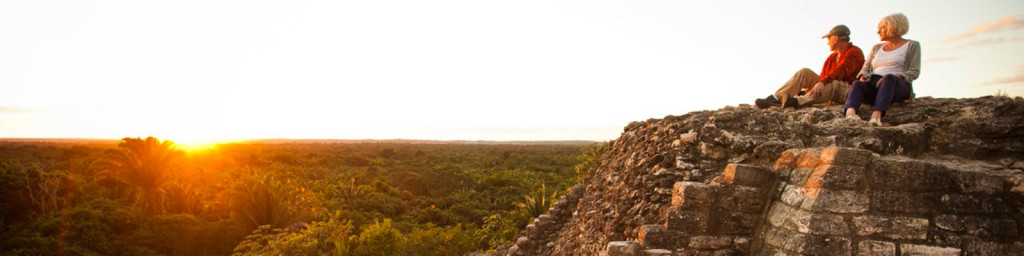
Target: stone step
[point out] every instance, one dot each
(656, 236)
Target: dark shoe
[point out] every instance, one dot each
(768, 102)
(788, 101)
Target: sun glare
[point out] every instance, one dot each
(193, 145)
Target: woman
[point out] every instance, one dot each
(890, 69)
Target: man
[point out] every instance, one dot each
(839, 71)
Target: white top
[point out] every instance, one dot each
(889, 62)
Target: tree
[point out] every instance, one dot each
(142, 165)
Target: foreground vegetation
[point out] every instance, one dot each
(145, 197)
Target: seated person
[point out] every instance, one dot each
(891, 68)
(839, 70)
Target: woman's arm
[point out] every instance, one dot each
(912, 65)
(866, 70)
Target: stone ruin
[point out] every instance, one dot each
(944, 177)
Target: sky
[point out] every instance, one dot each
(201, 71)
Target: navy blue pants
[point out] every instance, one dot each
(880, 93)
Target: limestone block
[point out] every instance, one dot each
(786, 160)
(799, 176)
(808, 159)
(793, 195)
(747, 175)
(711, 242)
(976, 182)
(905, 202)
(688, 222)
(532, 232)
(658, 237)
(735, 223)
(523, 243)
(741, 199)
(978, 226)
(925, 250)
(845, 156)
(692, 195)
(959, 203)
(982, 248)
(818, 223)
(824, 245)
(778, 214)
(912, 175)
(836, 177)
(658, 252)
(838, 201)
(891, 227)
(876, 248)
(624, 248)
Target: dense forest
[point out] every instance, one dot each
(147, 197)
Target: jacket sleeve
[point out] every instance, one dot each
(853, 61)
(912, 65)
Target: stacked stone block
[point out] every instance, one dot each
(713, 219)
(840, 201)
(547, 225)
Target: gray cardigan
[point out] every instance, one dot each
(911, 66)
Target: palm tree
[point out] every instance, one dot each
(144, 166)
(259, 200)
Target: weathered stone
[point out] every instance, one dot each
(799, 176)
(836, 177)
(876, 248)
(710, 242)
(692, 195)
(823, 245)
(958, 203)
(524, 243)
(982, 248)
(624, 248)
(925, 250)
(741, 199)
(905, 202)
(778, 214)
(658, 252)
(845, 156)
(808, 159)
(976, 182)
(819, 224)
(689, 222)
(657, 236)
(838, 201)
(747, 175)
(793, 195)
(911, 175)
(891, 227)
(977, 226)
(735, 223)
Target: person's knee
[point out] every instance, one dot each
(858, 84)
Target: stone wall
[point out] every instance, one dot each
(721, 182)
(837, 201)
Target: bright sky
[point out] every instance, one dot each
(195, 71)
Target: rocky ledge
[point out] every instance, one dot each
(942, 177)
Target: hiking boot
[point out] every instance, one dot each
(788, 101)
(768, 102)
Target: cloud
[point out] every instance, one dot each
(1007, 80)
(941, 59)
(1004, 23)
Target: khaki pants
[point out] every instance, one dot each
(834, 91)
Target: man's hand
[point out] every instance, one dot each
(816, 91)
(865, 78)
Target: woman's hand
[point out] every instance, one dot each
(865, 78)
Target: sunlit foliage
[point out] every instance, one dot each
(145, 197)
